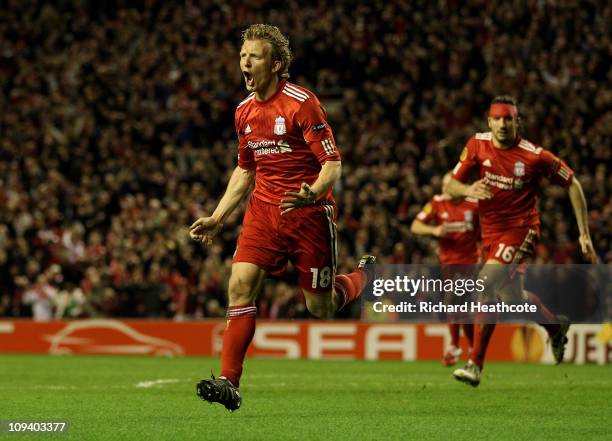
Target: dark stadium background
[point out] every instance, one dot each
(116, 132)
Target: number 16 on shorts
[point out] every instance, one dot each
(321, 278)
(505, 252)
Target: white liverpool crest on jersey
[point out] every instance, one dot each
(279, 126)
(519, 169)
(248, 129)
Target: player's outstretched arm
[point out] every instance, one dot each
(422, 229)
(478, 189)
(580, 211)
(205, 228)
(308, 194)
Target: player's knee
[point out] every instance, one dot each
(489, 295)
(241, 291)
(494, 277)
(321, 312)
(320, 304)
(512, 293)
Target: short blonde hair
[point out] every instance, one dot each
(279, 43)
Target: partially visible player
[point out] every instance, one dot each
(455, 222)
(287, 147)
(510, 169)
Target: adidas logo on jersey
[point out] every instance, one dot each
(486, 163)
(247, 130)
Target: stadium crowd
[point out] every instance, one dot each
(116, 132)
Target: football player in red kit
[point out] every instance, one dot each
(510, 169)
(287, 147)
(455, 223)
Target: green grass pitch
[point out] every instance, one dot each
(105, 398)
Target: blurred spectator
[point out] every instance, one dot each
(117, 132)
(42, 294)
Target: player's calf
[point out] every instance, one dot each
(350, 286)
(321, 305)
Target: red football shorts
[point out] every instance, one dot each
(306, 237)
(511, 246)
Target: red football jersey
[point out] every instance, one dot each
(514, 176)
(460, 216)
(286, 139)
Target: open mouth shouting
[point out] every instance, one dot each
(248, 79)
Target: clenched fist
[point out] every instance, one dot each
(205, 229)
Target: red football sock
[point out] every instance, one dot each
(236, 340)
(485, 325)
(350, 286)
(454, 333)
(546, 318)
(482, 342)
(468, 330)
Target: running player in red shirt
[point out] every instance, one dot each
(456, 225)
(287, 147)
(510, 169)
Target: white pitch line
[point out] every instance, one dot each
(54, 387)
(147, 384)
